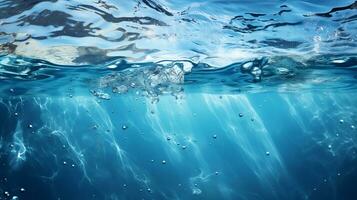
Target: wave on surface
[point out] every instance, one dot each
(152, 45)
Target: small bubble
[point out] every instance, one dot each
(163, 162)
(124, 185)
(30, 126)
(337, 134)
(124, 127)
(16, 114)
(240, 114)
(22, 189)
(168, 138)
(329, 146)
(267, 153)
(214, 136)
(341, 121)
(184, 147)
(152, 112)
(95, 127)
(149, 190)
(152, 160)
(252, 119)
(64, 163)
(73, 165)
(338, 174)
(7, 193)
(216, 173)
(325, 180)
(12, 90)
(353, 127)
(338, 61)
(15, 198)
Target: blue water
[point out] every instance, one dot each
(163, 99)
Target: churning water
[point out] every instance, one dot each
(188, 99)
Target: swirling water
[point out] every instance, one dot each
(162, 99)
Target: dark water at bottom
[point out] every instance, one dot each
(203, 146)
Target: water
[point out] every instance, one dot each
(162, 99)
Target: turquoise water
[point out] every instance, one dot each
(144, 99)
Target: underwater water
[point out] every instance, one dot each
(189, 99)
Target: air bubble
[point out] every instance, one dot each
(353, 127)
(112, 66)
(329, 146)
(338, 61)
(30, 126)
(246, 66)
(240, 114)
(196, 191)
(214, 136)
(184, 147)
(163, 162)
(267, 153)
(124, 127)
(187, 66)
(341, 121)
(22, 189)
(282, 70)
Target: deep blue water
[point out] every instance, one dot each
(163, 99)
